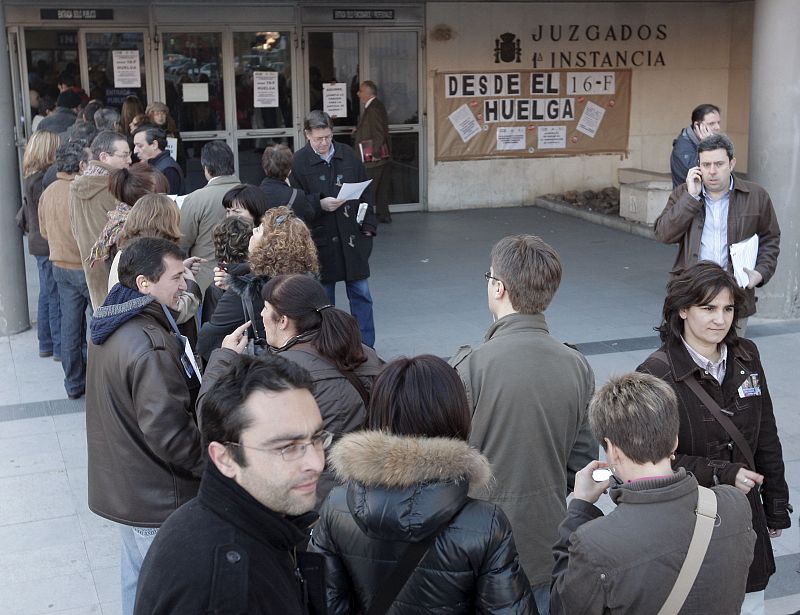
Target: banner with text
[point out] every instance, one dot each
(531, 114)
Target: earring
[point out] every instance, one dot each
(672, 456)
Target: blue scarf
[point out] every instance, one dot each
(121, 304)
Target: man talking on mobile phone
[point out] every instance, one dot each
(715, 209)
(705, 122)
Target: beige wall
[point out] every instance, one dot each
(706, 59)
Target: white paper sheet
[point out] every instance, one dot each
(744, 254)
(195, 92)
(349, 192)
(510, 138)
(552, 137)
(464, 122)
(265, 88)
(591, 118)
(127, 71)
(334, 99)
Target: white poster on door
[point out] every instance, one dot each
(265, 88)
(334, 99)
(127, 72)
(195, 92)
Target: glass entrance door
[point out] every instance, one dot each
(390, 58)
(194, 89)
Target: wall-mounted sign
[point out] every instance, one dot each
(71, 14)
(530, 114)
(363, 13)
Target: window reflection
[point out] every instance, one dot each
(333, 58)
(393, 68)
(193, 80)
(100, 58)
(263, 60)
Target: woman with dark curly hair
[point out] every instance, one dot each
(231, 241)
(280, 244)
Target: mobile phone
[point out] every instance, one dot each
(223, 265)
(601, 475)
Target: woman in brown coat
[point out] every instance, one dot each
(700, 345)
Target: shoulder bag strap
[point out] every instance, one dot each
(716, 412)
(247, 305)
(352, 377)
(706, 513)
(723, 420)
(291, 200)
(397, 579)
(392, 585)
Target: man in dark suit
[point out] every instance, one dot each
(371, 141)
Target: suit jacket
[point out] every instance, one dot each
(373, 125)
(201, 211)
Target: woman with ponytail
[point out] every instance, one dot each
(303, 327)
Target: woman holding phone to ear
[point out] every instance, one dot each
(727, 430)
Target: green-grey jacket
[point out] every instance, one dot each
(529, 394)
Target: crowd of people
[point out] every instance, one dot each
(258, 456)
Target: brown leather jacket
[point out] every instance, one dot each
(750, 212)
(145, 456)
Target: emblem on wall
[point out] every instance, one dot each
(507, 48)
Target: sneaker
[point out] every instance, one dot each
(76, 395)
(57, 359)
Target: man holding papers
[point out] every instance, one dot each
(342, 228)
(713, 211)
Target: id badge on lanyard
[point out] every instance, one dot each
(187, 357)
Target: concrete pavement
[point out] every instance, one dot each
(430, 296)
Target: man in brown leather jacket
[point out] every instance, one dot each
(144, 448)
(714, 210)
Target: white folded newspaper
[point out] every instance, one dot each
(744, 254)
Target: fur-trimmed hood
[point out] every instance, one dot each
(404, 488)
(375, 458)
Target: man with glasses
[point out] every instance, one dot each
(90, 201)
(529, 395)
(342, 230)
(239, 546)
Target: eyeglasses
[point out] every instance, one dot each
(122, 155)
(321, 139)
(320, 441)
(488, 275)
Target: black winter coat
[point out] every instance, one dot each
(344, 246)
(707, 451)
(229, 312)
(403, 489)
(224, 552)
(280, 193)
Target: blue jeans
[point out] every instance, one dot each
(48, 317)
(135, 543)
(74, 296)
(360, 306)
